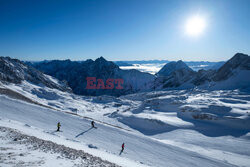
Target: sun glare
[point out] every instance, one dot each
(195, 26)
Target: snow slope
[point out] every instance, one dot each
(139, 148)
(18, 149)
(160, 128)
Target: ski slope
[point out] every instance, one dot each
(105, 141)
(18, 149)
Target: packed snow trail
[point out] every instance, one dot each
(137, 147)
(16, 95)
(18, 149)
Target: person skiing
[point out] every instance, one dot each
(123, 147)
(58, 126)
(93, 124)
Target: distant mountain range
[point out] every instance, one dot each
(173, 75)
(232, 75)
(195, 65)
(75, 73)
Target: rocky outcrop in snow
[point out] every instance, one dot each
(15, 71)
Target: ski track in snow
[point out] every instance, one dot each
(40, 122)
(22, 150)
(164, 128)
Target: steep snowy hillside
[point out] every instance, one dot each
(75, 73)
(14, 71)
(234, 74)
(18, 149)
(165, 128)
(238, 62)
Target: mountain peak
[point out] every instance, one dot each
(239, 59)
(179, 61)
(238, 62)
(239, 55)
(100, 59)
(101, 63)
(170, 67)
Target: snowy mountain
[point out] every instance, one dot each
(159, 128)
(173, 75)
(14, 71)
(203, 77)
(238, 62)
(173, 66)
(176, 128)
(232, 75)
(75, 73)
(176, 79)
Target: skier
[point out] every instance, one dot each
(93, 124)
(58, 126)
(122, 147)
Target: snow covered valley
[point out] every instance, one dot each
(162, 128)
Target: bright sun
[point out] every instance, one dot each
(195, 25)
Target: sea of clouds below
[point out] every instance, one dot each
(154, 68)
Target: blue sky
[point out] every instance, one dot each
(122, 29)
